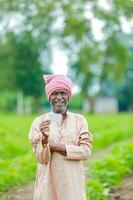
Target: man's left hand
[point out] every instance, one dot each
(60, 148)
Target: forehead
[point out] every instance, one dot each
(60, 90)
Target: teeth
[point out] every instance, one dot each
(60, 103)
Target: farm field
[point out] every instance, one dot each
(17, 163)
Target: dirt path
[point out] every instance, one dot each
(23, 193)
(125, 191)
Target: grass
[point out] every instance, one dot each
(17, 163)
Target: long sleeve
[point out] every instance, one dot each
(42, 152)
(82, 149)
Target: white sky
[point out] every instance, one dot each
(59, 64)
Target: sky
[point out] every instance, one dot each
(59, 64)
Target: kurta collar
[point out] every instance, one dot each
(63, 115)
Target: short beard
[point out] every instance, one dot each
(59, 109)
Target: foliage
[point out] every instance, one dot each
(21, 69)
(76, 101)
(8, 101)
(94, 60)
(107, 172)
(109, 129)
(25, 69)
(17, 165)
(125, 93)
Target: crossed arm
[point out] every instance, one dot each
(43, 149)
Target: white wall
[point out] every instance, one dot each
(106, 105)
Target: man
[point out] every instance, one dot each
(61, 141)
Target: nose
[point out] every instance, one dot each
(59, 96)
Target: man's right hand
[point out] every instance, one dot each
(44, 128)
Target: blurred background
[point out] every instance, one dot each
(91, 41)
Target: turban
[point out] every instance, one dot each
(57, 82)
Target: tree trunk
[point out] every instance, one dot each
(92, 104)
(36, 104)
(88, 105)
(20, 103)
(27, 105)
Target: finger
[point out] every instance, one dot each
(46, 122)
(45, 129)
(45, 125)
(45, 134)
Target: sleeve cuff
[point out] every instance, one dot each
(77, 152)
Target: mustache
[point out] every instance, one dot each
(59, 101)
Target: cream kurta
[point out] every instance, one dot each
(61, 177)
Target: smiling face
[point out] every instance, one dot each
(59, 100)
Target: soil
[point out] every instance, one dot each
(22, 193)
(125, 190)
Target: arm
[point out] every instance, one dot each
(40, 149)
(82, 149)
(60, 148)
(75, 152)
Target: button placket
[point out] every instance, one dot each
(61, 135)
(62, 131)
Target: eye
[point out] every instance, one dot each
(63, 93)
(54, 93)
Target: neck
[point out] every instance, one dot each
(64, 113)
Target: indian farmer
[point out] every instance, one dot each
(61, 142)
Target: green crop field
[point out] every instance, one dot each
(17, 163)
(108, 172)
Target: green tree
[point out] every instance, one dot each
(23, 48)
(22, 68)
(93, 61)
(125, 92)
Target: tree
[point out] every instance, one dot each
(24, 45)
(22, 68)
(93, 61)
(125, 92)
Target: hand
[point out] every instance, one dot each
(44, 128)
(60, 148)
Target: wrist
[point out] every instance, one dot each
(45, 141)
(57, 148)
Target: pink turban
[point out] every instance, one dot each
(57, 82)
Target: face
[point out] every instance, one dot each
(59, 101)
